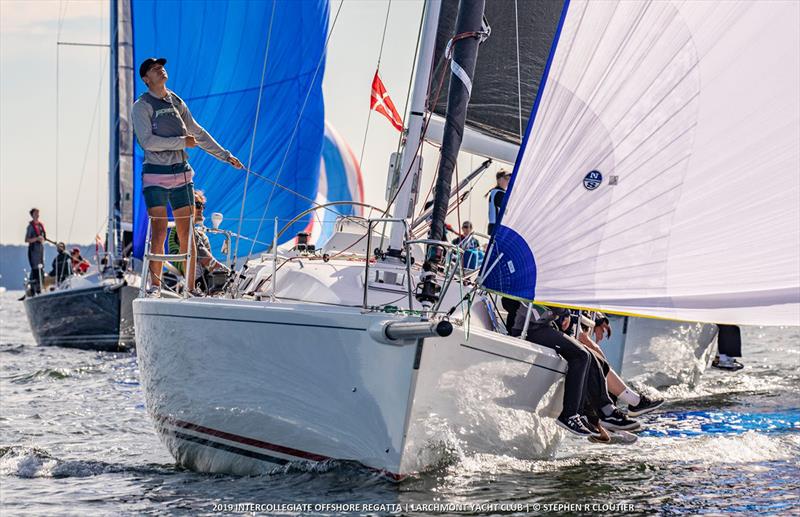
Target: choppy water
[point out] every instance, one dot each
(75, 439)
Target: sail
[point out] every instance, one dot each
(501, 98)
(660, 172)
(340, 180)
(215, 51)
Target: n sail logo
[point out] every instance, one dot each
(592, 180)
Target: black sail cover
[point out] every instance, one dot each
(494, 106)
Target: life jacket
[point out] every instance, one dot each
(38, 228)
(493, 209)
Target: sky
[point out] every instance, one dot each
(57, 159)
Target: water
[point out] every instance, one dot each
(75, 439)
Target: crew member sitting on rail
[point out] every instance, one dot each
(79, 264)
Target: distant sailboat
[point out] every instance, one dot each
(93, 311)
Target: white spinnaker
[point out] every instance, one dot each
(693, 110)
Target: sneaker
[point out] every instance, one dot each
(154, 291)
(600, 436)
(731, 365)
(574, 425)
(589, 425)
(616, 421)
(645, 405)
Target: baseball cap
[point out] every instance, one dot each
(502, 173)
(150, 61)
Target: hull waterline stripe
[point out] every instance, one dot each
(513, 359)
(252, 321)
(229, 448)
(246, 441)
(251, 442)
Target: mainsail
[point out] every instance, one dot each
(507, 74)
(216, 54)
(660, 172)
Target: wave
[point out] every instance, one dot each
(33, 462)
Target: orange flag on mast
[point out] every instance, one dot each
(382, 103)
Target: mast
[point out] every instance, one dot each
(404, 202)
(470, 31)
(113, 129)
(469, 34)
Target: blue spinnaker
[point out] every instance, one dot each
(215, 52)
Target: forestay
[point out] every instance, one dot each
(660, 173)
(216, 51)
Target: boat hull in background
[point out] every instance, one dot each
(659, 352)
(239, 386)
(99, 317)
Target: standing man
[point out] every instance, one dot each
(165, 128)
(35, 237)
(496, 196)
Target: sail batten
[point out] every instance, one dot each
(660, 174)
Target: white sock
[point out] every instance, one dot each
(724, 358)
(607, 410)
(630, 397)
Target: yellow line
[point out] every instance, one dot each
(604, 311)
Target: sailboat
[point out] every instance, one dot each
(94, 311)
(356, 352)
(332, 355)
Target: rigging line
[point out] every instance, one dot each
(301, 196)
(377, 69)
(366, 132)
(421, 139)
(297, 124)
(95, 116)
(255, 127)
(519, 82)
(61, 15)
(99, 128)
(58, 53)
(383, 38)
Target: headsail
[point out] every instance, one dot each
(215, 52)
(660, 173)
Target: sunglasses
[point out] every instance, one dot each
(199, 205)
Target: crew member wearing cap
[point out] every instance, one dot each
(165, 128)
(496, 196)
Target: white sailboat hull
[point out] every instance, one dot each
(241, 387)
(659, 352)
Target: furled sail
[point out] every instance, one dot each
(507, 73)
(216, 52)
(121, 141)
(660, 172)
